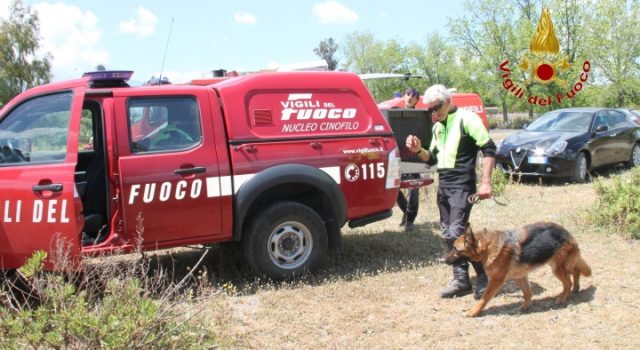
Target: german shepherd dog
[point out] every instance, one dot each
(514, 253)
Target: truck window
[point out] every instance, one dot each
(163, 124)
(85, 139)
(36, 131)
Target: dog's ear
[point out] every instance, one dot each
(469, 238)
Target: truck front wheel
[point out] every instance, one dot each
(284, 240)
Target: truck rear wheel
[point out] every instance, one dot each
(284, 240)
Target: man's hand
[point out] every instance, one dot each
(413, 143)
(485, 191)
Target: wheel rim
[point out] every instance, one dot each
(290, 245)
(582, 168)
(636, 155)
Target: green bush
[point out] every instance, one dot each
(499, 182)
(618, 206)
(493, 123)
(519, 122)
(53, 313)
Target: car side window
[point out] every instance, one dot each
(163, 124)
(36, 131)
(600, 119)
(617, 119)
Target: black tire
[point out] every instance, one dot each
(580, 169)
(634, 159)
(284, 240)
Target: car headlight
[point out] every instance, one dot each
(502, 144)
(555, 148)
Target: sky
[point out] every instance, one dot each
(200, 36)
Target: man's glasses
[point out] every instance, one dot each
(436, 107)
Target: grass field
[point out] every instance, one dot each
(381, 292)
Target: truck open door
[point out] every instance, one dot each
(404, 122)
(39, 204)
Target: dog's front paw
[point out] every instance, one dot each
(561, 299)
(525, 306)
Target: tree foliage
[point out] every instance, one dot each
(327, 50)
(365, 54)
(606, 34)
(615, 35)
(20, 67)
(489, 31)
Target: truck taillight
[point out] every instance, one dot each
(393, 169)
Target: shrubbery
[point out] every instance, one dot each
(111, 306)
(493, 123)
(499, 182)
(519, 122)
(619, 203)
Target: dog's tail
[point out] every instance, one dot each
(582, 266)
(576, 262)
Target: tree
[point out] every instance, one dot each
(20, 68)
(614, 48)
(435, 62)
(365, 54)
(487, 30)
(327, 50)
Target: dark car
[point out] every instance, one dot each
(569, 142)
(632, 114)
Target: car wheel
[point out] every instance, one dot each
(285, 240)
(580, 169)
(635, 156)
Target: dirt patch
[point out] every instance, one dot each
(382, 291)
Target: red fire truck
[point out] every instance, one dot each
(277, 161)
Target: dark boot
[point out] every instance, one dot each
(409, 227)
(409, 218)
(403, 222)
(460, 285)
(481, 280)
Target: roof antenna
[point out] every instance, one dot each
(164, 57)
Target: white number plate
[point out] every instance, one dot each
(537, 160)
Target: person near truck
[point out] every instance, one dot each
(409, 204)
(458, 134)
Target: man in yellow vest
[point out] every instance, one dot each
(458, 135)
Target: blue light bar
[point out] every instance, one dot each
(109, 75)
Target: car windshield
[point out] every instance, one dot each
(570, 121)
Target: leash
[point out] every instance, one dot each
(475, 198)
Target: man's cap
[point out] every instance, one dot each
(435, 93)
(412, 92)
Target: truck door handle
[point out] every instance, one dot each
(50, 187)
(188, 171)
